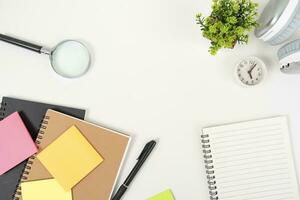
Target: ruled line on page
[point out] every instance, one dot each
(246, 163)
(258, 141)
(230, 139)
(244, 147)
(256, 133)
(269, 162)
(243, 129)
(242, 154)
(284, 195)
(257, 189)
(285, 198)
(258, 192)
(235, 139)
(253, 166)
(261, 197)
(224, 186)
(250, 172)
(240, 151)
(253, 158)
(258, 186)
(254, 177)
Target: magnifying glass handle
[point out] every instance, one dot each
(21, 43)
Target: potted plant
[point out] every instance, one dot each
(229, 23)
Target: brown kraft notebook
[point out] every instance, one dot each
(112, 145)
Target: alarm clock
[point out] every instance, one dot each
(250, 71)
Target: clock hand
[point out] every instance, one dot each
(252, 68)
(250, 75)
(250, 71)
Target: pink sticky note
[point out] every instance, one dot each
(16, 144)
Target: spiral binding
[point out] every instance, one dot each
(2, 110)
(209, 167)
(43, 127)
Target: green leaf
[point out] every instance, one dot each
(232, 20)
(240, 30)
(213, 29)
(236, 7)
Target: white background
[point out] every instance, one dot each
(152, 77)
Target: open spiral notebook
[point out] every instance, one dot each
(250, 161)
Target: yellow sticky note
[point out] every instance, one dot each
(166, 195)
(70, 158)
(44, 189)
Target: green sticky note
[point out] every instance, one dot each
(165, 195)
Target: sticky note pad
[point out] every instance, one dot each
(70, 158)
(44, 189)
(16, 144)
(166, 195)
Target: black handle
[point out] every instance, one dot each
(120, 193)
(21, 43)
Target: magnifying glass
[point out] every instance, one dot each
(69, 58)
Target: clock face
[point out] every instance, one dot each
(251, 71)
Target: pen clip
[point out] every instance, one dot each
(144, 150)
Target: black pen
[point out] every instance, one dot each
(140, 161)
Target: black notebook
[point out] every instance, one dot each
(32, 114)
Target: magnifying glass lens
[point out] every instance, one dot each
(70, 59)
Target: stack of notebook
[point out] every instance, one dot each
(70, 159)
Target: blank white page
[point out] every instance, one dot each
(251, 160)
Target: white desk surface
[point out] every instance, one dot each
(152, 77)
